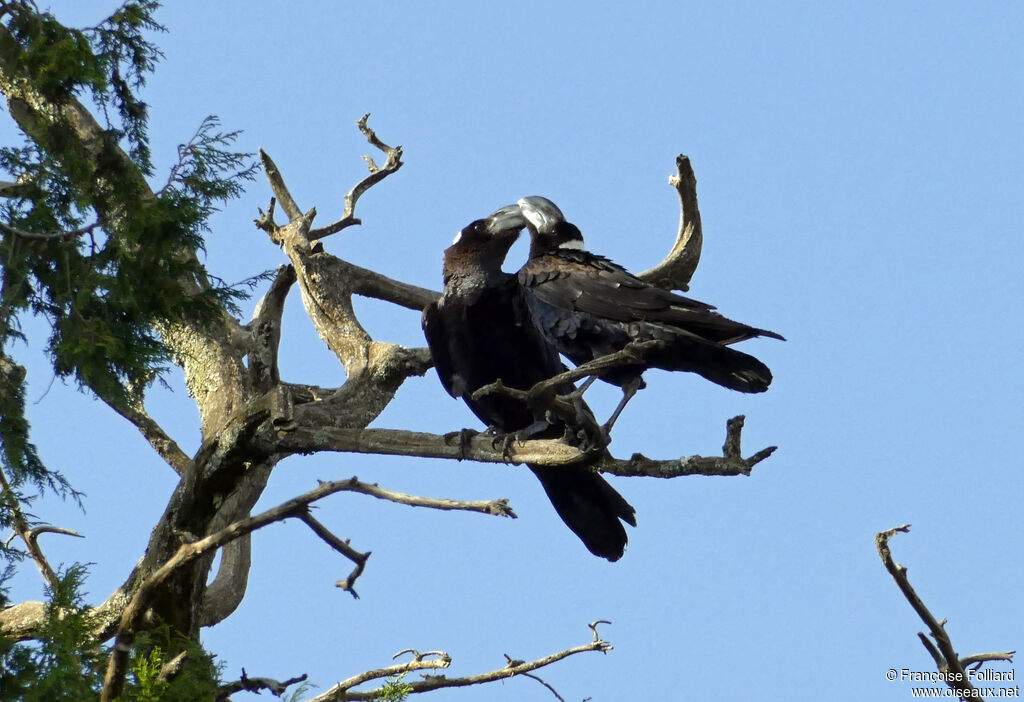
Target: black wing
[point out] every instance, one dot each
(581, 282)
(434, 329)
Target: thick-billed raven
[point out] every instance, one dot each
(480, 331)
(586, 306)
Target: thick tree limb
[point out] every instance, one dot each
(548, 452)
(265, 331)
(343, 690)
(678, 267)
(371, 284)
(395, 442)
(942, 651)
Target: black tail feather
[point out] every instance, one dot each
(589, 506)
(722, 365)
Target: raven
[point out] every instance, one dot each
(586, 306)
(480, 332)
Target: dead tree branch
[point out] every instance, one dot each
(257, 685)
(377, 174)
(487, 448)
(342, 547)
(731, 462)
(265, 331)
(165, 447)
(190, 552)
(942, 652)
(343, 690)
(678, 267)
(30, 535)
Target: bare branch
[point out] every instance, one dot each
(678, 267)
(165, 447)
(977, 658)
(247, 684)
(535, 677)
(342, 547)
(20, 525)
(731, 462)
(134, 612)
(343, 691)
(497, 508)
(942, 652)
(377, 174)
(479, 447)
(278, 186)
(50, 236)
(371, 284)
(340, 691)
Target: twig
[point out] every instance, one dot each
(342, 547)
(942, 651)
(343, 691)
(678, 267)
(377, 174)
(535, 677)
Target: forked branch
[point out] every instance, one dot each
(731, 462)
(942, 651)
(30, 535)
(377, 174)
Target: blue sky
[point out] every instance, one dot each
(859, 176)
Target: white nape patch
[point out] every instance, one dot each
(458, 237)
(575, 244)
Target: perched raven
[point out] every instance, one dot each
(480, 332)
(587, 306)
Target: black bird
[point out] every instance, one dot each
(587, 306)
(479, 332)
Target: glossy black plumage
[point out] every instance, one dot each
(480, 331)
(587, 306)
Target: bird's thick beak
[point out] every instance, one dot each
(541, 212)
(508, 220)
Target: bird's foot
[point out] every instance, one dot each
(506, 440)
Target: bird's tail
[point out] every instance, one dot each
(589, 506)
(722, 365)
